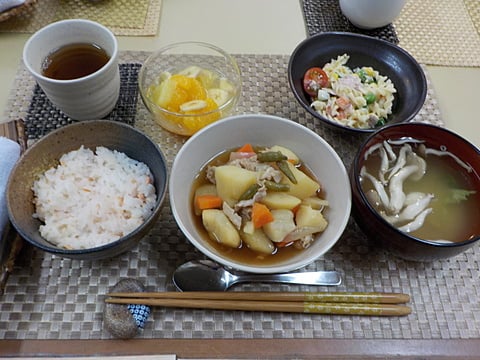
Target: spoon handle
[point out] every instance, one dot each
(326, 278)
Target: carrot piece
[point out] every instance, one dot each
(261, 215)
(246, 148)
(208, 201)
(284, 243)
(295, 209)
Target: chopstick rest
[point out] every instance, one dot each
(338, 303)
(122, 321)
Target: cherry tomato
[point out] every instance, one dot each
(314, 79)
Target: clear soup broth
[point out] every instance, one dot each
(455, 206)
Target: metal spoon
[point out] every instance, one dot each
(206, 275)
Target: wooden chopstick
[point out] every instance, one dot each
(331, 297)
(224, 301)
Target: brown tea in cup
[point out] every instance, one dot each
(74, 61)
(90, 94)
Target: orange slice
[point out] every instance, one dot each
(177, 90)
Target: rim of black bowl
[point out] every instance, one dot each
(53, 249)
(363, 43)
(365, 201)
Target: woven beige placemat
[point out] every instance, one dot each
(435, 32)
(441, 32)
(49, 297)
(473, 7)
(123, 17)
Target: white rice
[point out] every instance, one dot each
(93, 198)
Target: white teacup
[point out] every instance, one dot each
(371, 14)
(89, 97)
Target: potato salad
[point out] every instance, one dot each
(260, 198)
(359, 98)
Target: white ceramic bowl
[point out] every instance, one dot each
(371, 14)
(261, 130)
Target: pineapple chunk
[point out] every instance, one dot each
(281, 225)
(220, 228)
(207, 78)
(226, 85)
(280, 200)
(305, 186)
(232, 182)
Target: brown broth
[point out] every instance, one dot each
(243, 254)
(449, 221)
(74, 61)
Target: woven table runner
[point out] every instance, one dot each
(435, 32)
(123, 17)
(48, 297)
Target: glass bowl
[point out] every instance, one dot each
(186, 86)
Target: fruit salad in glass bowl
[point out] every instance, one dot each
(187, 86)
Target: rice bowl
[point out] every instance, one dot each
(46, 152)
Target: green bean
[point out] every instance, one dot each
(273, 186)
(285, 169)
(248, 194)
(270, 156)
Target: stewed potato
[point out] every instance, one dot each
(263, 199)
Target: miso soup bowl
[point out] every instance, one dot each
(387, 236)
(261, 130)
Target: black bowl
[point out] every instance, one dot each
(388, 59)
(385, 235)
(45, 154)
